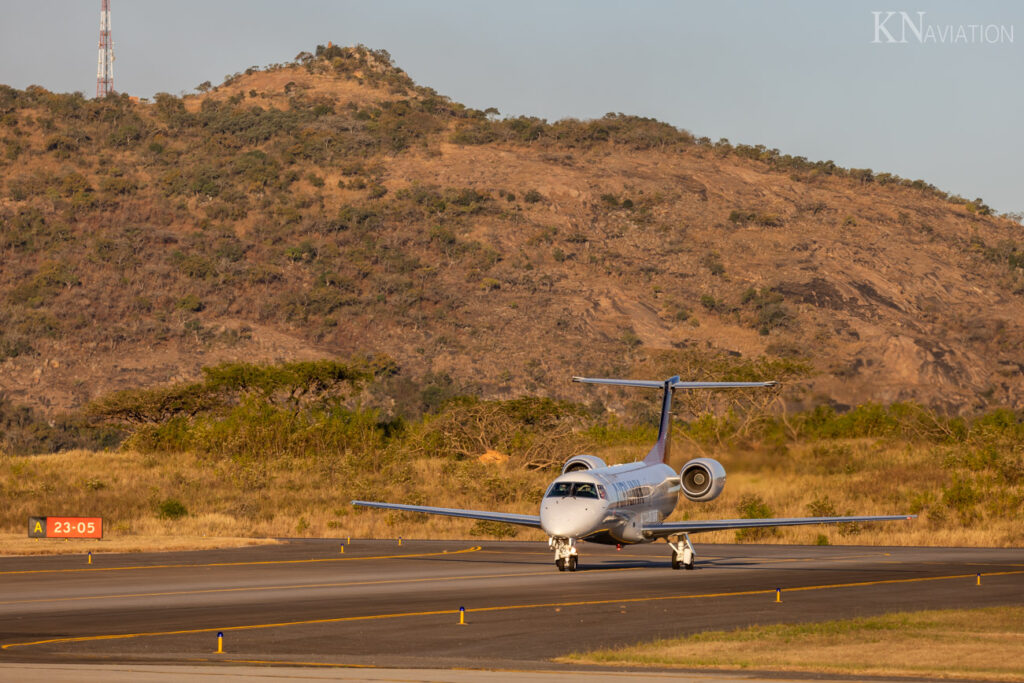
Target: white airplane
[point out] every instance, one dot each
(628, 503)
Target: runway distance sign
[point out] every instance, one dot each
(65, 527)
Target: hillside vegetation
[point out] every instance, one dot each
(254, 450)
(331, 207)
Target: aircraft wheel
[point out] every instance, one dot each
(560, 564)
(675, 560)
(572, 563)
(688, 566)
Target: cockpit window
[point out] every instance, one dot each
(579, 489)
(560, 489)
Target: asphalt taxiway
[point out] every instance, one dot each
(381, 604)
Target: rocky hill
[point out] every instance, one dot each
(330, 207)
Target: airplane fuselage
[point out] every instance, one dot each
(609, 504)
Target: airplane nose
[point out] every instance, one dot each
(571, 517)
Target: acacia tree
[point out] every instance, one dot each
(291, 384)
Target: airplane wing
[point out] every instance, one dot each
(658, 530)
(655, 384)
(506, 517)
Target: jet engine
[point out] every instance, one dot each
(582, 462)
(702, 479)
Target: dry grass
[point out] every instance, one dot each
(238, 502)
(869, 476)
(310, 496)
(18, 544)
(950, 644)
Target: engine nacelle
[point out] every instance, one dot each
(582, 462)
(702, 479)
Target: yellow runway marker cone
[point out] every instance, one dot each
(89, 561)
(462, 616)
(778, 595)
(979, 578)
(399, 540)
(220, 642)
(342, 548)
(348, 541)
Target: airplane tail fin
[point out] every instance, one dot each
(659, 452)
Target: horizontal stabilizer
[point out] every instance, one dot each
(655, 384)
(621, 382)
(723, 385)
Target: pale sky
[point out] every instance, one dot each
(802, 76)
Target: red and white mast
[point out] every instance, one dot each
(105, 65)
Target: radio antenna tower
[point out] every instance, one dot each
(105, 66)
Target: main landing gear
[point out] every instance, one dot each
(565, 553)
(683, 554)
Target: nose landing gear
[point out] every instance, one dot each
(683, 554)
(565, 553)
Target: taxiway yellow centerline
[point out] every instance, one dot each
(474, 549)
(494, 608)
(381, 581)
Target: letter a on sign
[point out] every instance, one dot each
(37, 527)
